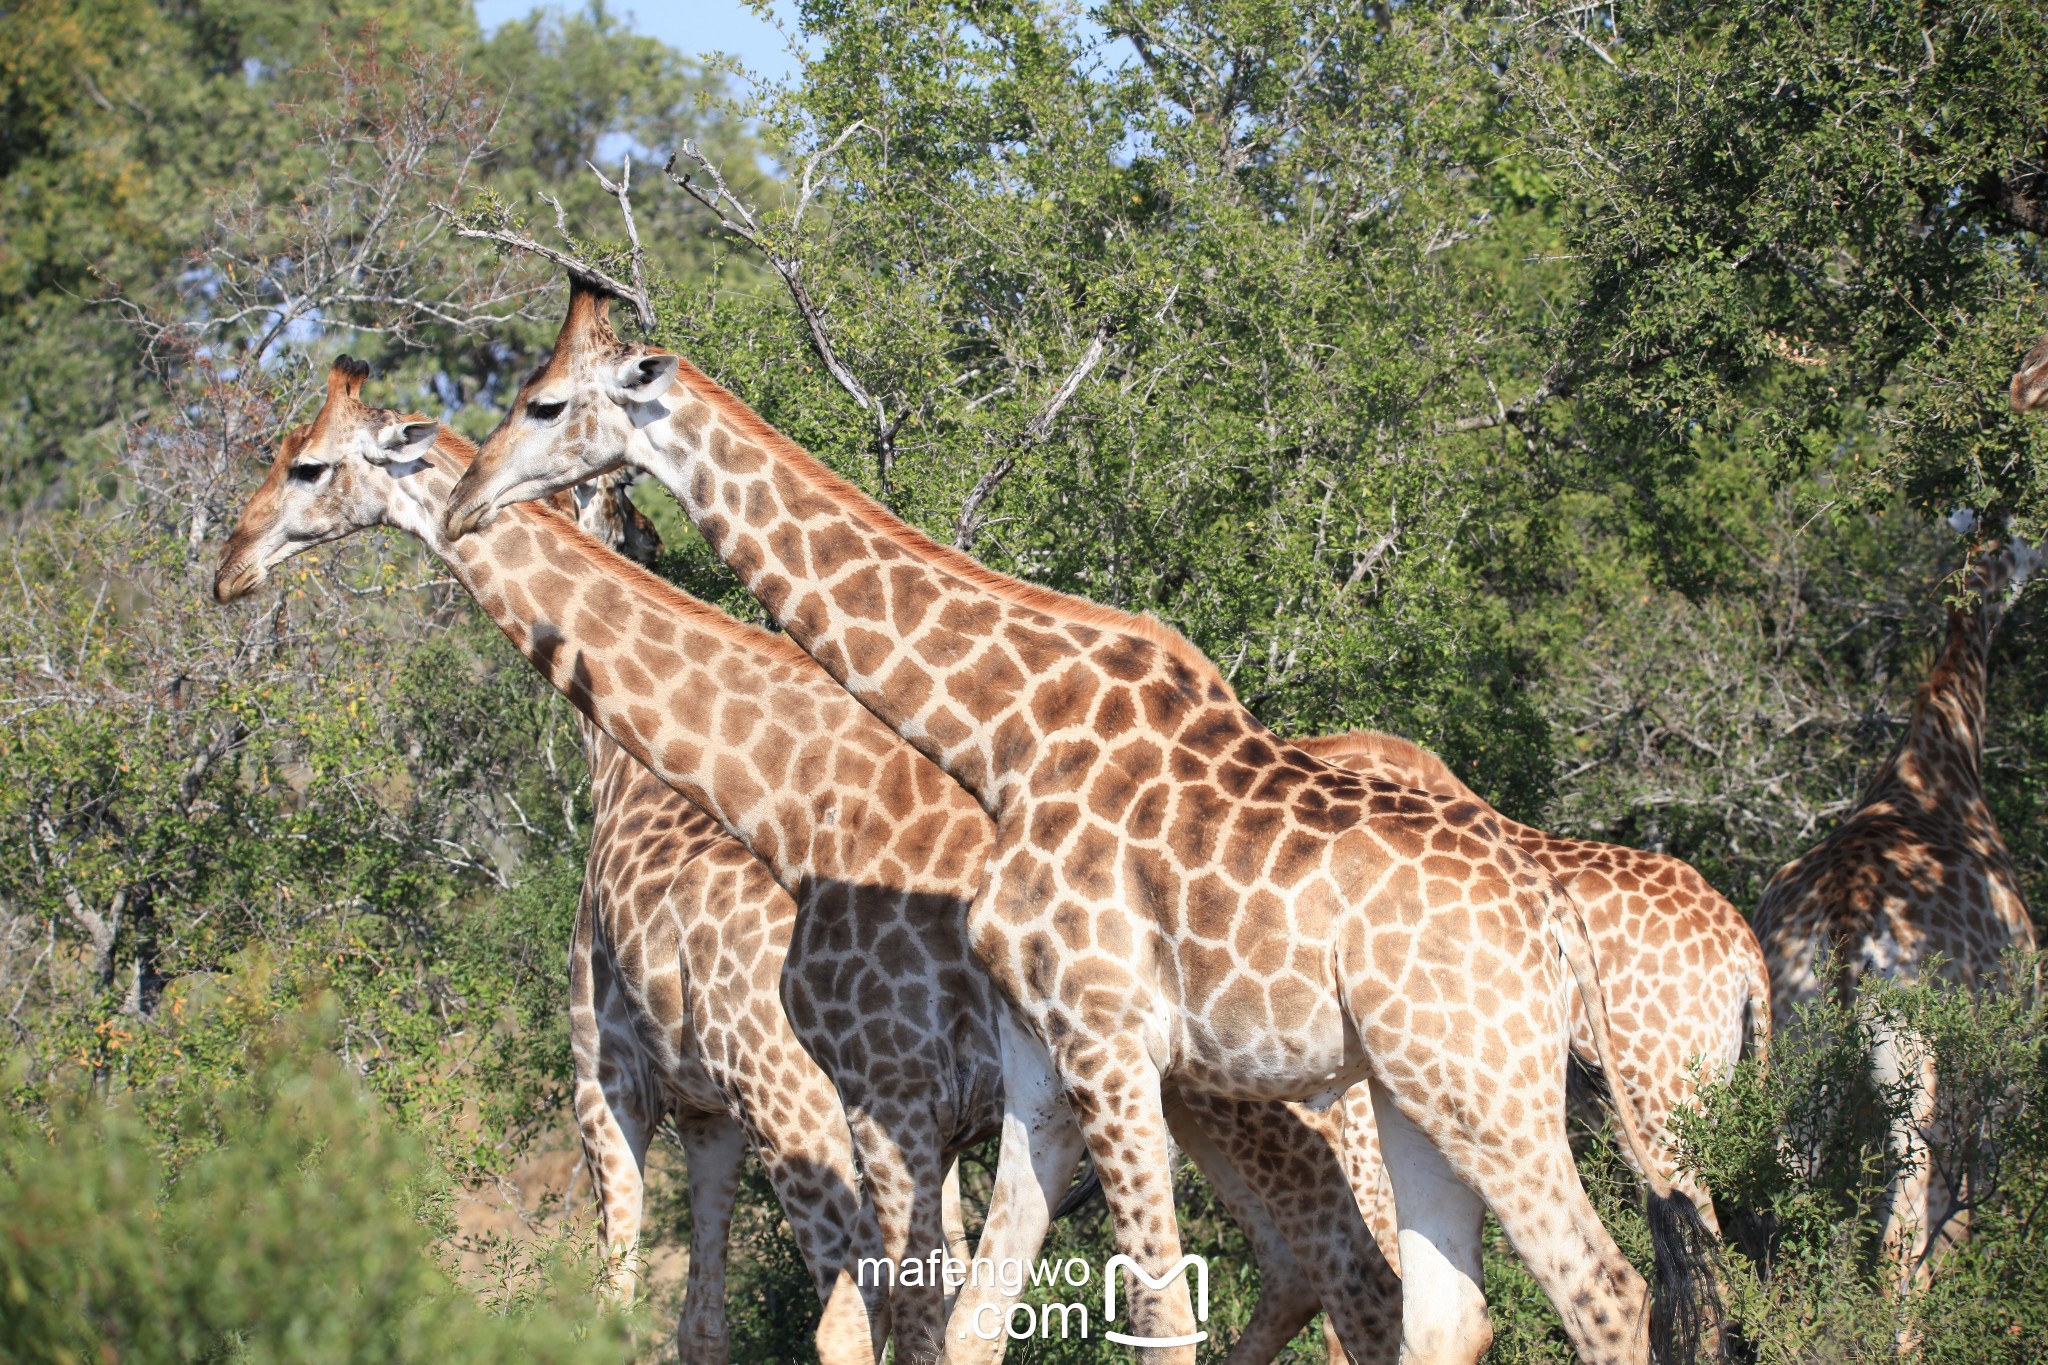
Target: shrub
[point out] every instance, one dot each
(1798, 1157)
(307, 1233)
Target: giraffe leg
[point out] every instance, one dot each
(1443, 1312)
(1123, 1118)
(1366, 1172)
(714, 1146)
(1533, 1188)
(906, 1172)
(954, 1216)
(1903, 1064)
(1287, 1301)
(1288, 1156)
(1040, 1147)
(815, 1181)
(615, 1134)
(614, 1117)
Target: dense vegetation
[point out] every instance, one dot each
(1576, 390)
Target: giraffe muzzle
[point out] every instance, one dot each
(236, 579)
(464, 517)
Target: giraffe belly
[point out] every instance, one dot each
(1313, 1055)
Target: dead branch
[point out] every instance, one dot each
(623, 192)
(968, 524)
(741, 221)
(578, 269)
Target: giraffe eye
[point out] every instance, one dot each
(309, 472)
(545, 412)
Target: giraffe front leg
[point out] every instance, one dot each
(814, 1179)
(714, 1146)
(615, 1117)
(615, 1135)
(1903, 1067)
(1123, 1119)
(1039, 1149)
(906, 1172)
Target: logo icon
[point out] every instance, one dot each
(1110, 1280)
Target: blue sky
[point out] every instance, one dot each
(688, 25)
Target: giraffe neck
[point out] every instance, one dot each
(1946, 734)
(694, 696)
(952, 656)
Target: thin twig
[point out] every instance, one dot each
(623, 192)
(969, 522)
(738, 219)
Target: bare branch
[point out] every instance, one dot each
(735, 217)
(742, 223)
(578, 269)
(969, 522)
(623, 192)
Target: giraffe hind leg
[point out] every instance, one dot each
(1498, 1129)
(714, 1147)
(1287, 1301)
(1289, 1157)
(1123, 1118)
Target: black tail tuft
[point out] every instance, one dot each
(1686, 1302)
(1083, 1192)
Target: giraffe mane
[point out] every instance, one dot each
(671, 599)
(1066, 607)
(1435, 774)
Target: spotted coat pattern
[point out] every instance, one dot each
(1174, 893)
(882, 849)
(1687, 989)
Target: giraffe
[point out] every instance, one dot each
(881, 849)
(674, 969)
(1174, 893)
(1917, 869)
(2030, 381)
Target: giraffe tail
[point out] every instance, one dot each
(1685, 1295)
(1758, 1043)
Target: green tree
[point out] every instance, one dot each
(1819, 227)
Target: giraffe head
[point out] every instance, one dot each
(2030, 383)
(331, 477)
(604, 510)
(344, 472)
(1998, 575)
(573, 419)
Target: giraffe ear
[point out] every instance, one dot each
(644, 377)
(404, 442)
